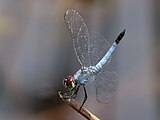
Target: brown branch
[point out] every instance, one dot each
(76, 106)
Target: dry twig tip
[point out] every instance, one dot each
(76, 106)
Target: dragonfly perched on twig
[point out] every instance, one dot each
(93, 53)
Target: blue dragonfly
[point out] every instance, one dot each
(93, 53)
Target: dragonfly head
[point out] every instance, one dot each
(69, 83)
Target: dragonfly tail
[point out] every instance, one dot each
(120, 36)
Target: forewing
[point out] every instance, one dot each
(106, 84)
(98, 48)
(80, 36)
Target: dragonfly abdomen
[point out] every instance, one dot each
(106, 57)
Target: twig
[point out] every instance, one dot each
(76, 106)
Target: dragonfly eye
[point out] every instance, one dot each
(69, 82)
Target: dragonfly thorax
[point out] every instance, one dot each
(85, 75)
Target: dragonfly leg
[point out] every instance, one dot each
(75, 92)
(85, 97)
(65, 95)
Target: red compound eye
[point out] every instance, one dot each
(69, 79)
(69, 82)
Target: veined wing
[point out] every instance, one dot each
(106, 84)
(80, 36)
(98, 48)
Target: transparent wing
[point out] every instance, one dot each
(80, 36)
(106, 84)
(98, 48)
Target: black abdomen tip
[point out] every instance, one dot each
(120, 36)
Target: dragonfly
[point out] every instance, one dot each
(94, 54)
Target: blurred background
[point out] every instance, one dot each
(36, 53)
